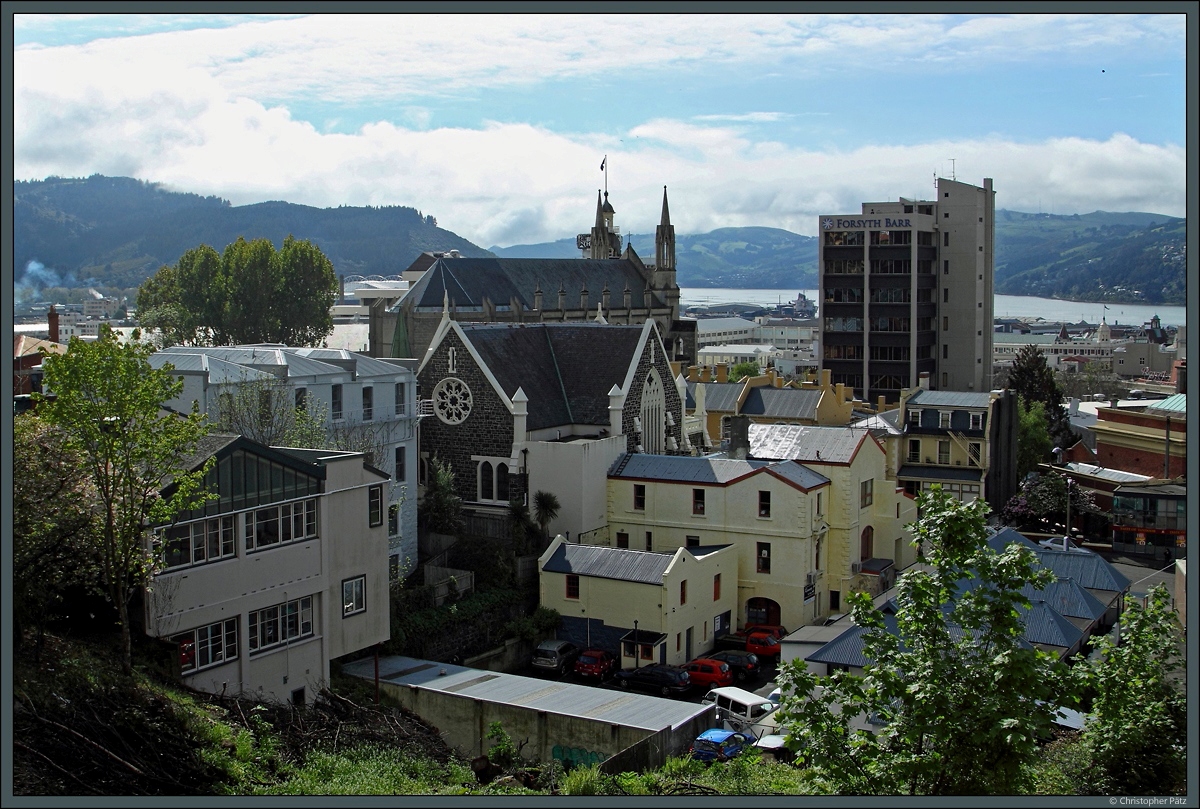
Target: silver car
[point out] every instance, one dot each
(555, 655)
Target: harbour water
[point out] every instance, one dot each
(1006, 306)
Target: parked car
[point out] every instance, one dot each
(773, 749)
(659, 677)
(760, 642)
(555, 655)
(743, 664)
(718, 745)
(778, 630)
(595, 663)
(709, 673)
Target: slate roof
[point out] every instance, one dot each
(805, 443)
(711, 470)
(949, 398)
(643, 567)
(719, 397)
(782, 403)
(467, 281)
(566, 369)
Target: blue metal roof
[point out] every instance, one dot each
(1171, 404)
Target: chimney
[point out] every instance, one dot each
(778, 378)
(693, 374)
(706, 374)
(879, 407)
(840, 392)
(722, 372)
(739, 437)
(826, 377)
(924, 380)
(583, 298)
(52, 317)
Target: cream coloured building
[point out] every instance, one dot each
(772, 514)
(286, 570)
(664, 607)
(867, 539)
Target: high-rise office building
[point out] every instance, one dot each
(906, 292)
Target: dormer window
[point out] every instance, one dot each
(976, 421)
(944, 420)
(914, 417)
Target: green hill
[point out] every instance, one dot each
(116, 232)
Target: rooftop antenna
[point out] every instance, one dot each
(953, 176)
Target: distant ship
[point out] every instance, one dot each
(803, 308)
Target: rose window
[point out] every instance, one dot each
(452, 400)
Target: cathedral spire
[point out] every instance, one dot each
(599, 211)
(666, 215)
(664, 240)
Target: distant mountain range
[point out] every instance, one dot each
(116, 232)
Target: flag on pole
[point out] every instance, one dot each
(602, 162)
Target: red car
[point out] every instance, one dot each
(709, 673)
(595, 663)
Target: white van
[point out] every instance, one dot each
(744, 711)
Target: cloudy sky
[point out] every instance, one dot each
(497, 124)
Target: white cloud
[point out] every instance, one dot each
(206, 111)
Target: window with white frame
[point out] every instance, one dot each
(282, 623)
(914, 450)
(944, 420)
(914, 417)
(207, 645)
(975, 453)
(866, 493)
(289, 522)
(198, 542)
(401, 402)
(368, 400)
(354, 596)
(335, 410)
(976, 421)
(493, 481)
(943, 452)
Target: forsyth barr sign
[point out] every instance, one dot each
(837, 223)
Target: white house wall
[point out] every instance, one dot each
(576, 473)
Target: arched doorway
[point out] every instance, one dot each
(762, 611)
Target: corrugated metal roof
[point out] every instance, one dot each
(643, 567)
(1148, 488)
(887, 423)
(1067, 597)
(1090, 570)
(1171, 404)
(949, 398)
(1105, 473)
(1007, 536)
(789, 403)
(805, 443)
(553, 696)
(705, 325)
(1046, 626)
(799, 474)
(719, 397)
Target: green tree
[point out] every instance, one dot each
(266, 411)
(107, 399)
(1034, 444)
(1136, 733)
(441, 509)
(54, 520)
(249, 293)
(1041, 503)
(742, 370)
(545, 510)
(961, 699)
(1030, 376)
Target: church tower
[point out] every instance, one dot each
(605, 241)
(664, 240)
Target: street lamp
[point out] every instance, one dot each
(636, 650)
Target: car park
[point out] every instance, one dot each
(718, 745)
(744, 711)
(709, 673)
(595, 664)
(743, 664)
(659, 677)
(555, 655)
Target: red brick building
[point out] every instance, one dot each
(1142, 439)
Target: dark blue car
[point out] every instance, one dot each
(718, 745)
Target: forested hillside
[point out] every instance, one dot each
(116, 232)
